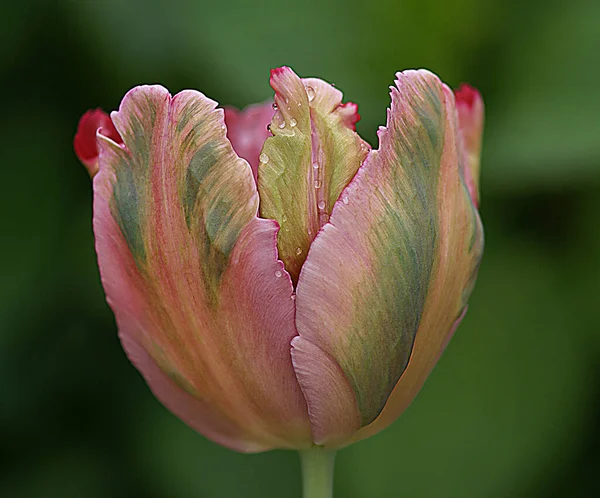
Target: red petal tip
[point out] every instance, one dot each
(352, 116)
(466, 94)
(279, 71)
(84, 143)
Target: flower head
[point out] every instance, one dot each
(289, 288)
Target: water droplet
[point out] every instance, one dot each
(299, 104)
(284, 218)
(263, 158)
(269, 128)
(298, 251)
(310, 92)
(321, 204)
(223, 127)
(282, 124)
(316, 165)
(318, 183)
(293, 122)
(278, 274)
(274, 106)
(345, 199)
(293, 297)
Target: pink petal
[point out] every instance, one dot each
(331, 402)
(312, 156)
(203, 305)
(390, 273)
(247, 131)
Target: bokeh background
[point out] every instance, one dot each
(513, 408)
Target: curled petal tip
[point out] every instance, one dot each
(86, 147)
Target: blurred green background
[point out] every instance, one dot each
(513, 408)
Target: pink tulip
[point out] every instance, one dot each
(292, 288)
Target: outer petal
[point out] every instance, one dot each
(312, 156)
(85, 142)
(247, 131)
(389, 275)
(469, 106)
(204, 307)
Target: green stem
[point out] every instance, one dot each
(317, 472)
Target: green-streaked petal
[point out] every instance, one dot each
(312, 156)
(389, 275)
(205, 309)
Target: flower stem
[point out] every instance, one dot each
(317, 472)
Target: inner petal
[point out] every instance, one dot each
(312, 156)
(247, 131)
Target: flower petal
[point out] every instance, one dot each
(390, 273)
(469, 105)
(312, 156)
(247, 131)
(85, 142)
(192, 274)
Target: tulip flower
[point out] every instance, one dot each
(289, 288)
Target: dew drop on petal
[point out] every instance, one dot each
(345, 199)
(310, 92)
(263, 158)
(282, 124)
(278, 274)
(293, 297)
(223, 127)
(316, 165)
(318, 183)
(293, 122)
(321, 204)
(274, 106)
(284, 218)
(298, 251)
(269, 128)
